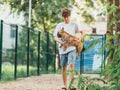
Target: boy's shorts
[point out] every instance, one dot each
(68, 58)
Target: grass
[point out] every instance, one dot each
(8, 72)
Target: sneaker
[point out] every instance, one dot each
(72, 88)
(63, 88)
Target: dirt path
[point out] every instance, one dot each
(42, 82)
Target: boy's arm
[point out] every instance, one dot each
(58, 40)
(82, 32)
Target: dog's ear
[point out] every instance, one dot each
(58, 34)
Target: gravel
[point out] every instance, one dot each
(42, 82)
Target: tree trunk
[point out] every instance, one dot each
(110, 17)
(117, 3)
(110, 31)
(43, 22)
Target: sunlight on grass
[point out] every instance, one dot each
(8, 72)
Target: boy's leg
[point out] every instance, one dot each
(64, 76)
(63, 63)
(71, 60)
(72, 56)
(71, 70)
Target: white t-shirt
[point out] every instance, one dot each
(70, 28)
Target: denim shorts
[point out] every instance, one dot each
(68, 58)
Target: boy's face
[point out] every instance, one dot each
(67, 19)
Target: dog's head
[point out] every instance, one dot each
(63, 34)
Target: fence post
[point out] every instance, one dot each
(47, 51)
(16, 45)
(104, 52)
(55, 58)
(28, 50)
(81, 62)
(1, 36)
(38, 63)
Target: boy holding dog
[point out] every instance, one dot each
(68, 56)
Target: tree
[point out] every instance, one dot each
(110, 11)
(90, 9)
(113, 44)
(117, 3)
(45, 15)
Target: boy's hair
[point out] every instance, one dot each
(66, 12)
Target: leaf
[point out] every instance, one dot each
(71, 83)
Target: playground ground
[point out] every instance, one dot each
(42, 82)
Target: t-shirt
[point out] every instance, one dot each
(70, 28)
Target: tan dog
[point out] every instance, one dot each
(70, 40)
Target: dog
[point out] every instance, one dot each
(70, 40)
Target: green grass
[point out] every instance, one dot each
(8, 72)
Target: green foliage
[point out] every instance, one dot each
(71, 82)
(87, 83)
(113, 68)
(8, 72)
(1, 1)
(86, 9)
(47, 49)
(111, 8)
(21, 71)
(80, 83)
(45, 13)
(113, 21)
(112, 46)
(114, 86)
(45, 16)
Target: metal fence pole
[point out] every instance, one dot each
(55, 58)
(104, 52)
(28, 50)
(81, 63)
(38, 63)
(47, 51)
(1, 36)
(16, 45)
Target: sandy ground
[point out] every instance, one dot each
(42, 82)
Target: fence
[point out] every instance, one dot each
(27, 49)
(92, 59)
(32, 52)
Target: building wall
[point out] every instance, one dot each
(101, 27)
